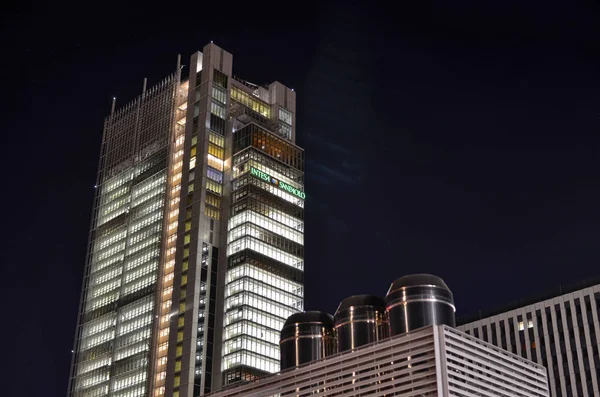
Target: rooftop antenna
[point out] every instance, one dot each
(144, 88)
(112, 110)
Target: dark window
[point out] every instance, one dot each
(220, 79)
(512, 330)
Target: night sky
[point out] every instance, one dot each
(456, 139)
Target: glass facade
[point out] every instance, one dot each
(114, 337)
(194, 262)
(265, 249)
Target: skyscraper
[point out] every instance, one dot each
(560, 331)
(195, 254)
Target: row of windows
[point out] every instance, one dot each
(253, 103)
(215, 162)
(214, 187)
(216, 151)
(104, 264)
(158, 191)
(218, 109)
(265, 249)
(285, 131)
(108, 252)
(142, 234)
(212, 213)
(135, 324)
(148, 207)
(104, 288)
(136, 309)
(117, 181)
(247, 179)
(275, 166)
(151, 184)
(130, 380)
(255, 315)
(252, 360)
(97, 339)
(113, 210)
(264, 290)
(217, 139)
(248, 270)
(263, 208)
(93, 378)
(248, 343)
(285, 116)
(266, 223)
(138, 285)
(275, 240)
(213, 200)
(87, 366)
(115, 236)
(141, 257)
(141, 271)
(219, 94)
(249, 299)
(132, 340)
(245, 168)
(101, 301)
(142, 222)
(144, 244)
(280, 149)
(99, 325)
(130, 350)
(254, 330)
(214, 174)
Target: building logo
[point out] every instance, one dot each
(282, 185)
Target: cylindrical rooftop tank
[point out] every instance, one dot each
(418, 300)
(359, 320)
(305, 337)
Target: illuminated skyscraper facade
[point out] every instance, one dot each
(196, 254)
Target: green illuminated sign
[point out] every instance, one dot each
(282, 185)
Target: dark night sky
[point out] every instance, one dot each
(457, 139)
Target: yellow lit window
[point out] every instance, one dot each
(215, 151)
(179, 336)
(176, 382)
(215, 201)
(185, 265)
(186, 252)
(178, 365)
(213, 187)
(211, 212)
(188, 225)
(179, 350)
(183, 292)
(184, 279)
(193, 151)
(176, 393)
(181, 321)
(217, 139)
(186, 238)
